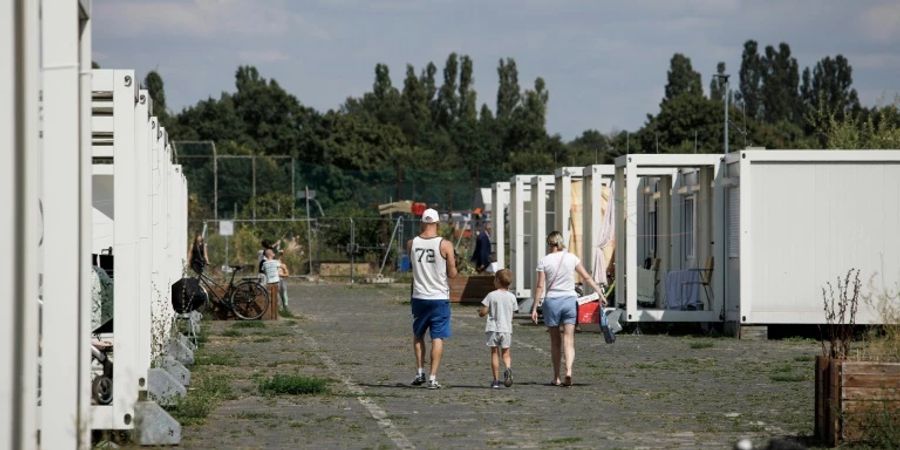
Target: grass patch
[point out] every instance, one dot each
(784, 368)
(215, 360)
(787, 377)
(249, 324)
(262, 339)
(284, 312)
(231, 332)
(701, 344)
(200, 401)
(293, 385)
(804, 358)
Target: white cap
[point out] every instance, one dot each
(430, 216)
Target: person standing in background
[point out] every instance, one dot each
(198, 256)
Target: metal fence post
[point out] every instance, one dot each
(352, 248)
(253, 199)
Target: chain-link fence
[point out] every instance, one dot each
(346, 248)
(225, 184)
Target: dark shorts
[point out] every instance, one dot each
(432, 315)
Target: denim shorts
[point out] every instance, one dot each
(431, 315)
(560, 310)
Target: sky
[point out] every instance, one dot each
(604, 62)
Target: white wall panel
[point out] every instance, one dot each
(65, 365)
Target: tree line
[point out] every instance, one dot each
(427, 139)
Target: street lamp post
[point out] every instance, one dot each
(724, 78)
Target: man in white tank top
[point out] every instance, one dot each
(433, 263)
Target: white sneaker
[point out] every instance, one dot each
(433, 384)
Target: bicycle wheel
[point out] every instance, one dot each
(249, 300)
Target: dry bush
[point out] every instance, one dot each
(882, 342)
(840, 303)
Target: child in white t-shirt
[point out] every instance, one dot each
(499, 306)
(270, 266)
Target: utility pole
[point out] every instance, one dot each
(309, 233)
(215, 183)
(293, 189)
(724, 78)
(253, 198)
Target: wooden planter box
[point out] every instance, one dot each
(471, 289)
(854, 396)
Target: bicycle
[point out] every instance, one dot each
(248, 299)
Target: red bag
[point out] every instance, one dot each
(589, 313)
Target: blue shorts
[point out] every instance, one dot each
(560, 311)
(432, 315)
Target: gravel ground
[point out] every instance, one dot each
(644, 391)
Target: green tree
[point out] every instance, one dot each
(682, 79)
(780, 85)
(415, 101)
(591, 147)
(467, 95)
(154, 85)
(830, 86)
(447, 100)
(508, 91)
(751, 75)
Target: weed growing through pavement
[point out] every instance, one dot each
(231, 332)
(840, 304)
(207, 391)
(249, 324)
(293, 385)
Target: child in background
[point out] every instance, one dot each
(270, 267)
(282, 288)
(499, 306)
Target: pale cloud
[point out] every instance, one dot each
(881, 22)
(209, 19)
(266, 56)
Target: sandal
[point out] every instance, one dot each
(568, 381)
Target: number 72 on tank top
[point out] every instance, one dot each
(427, 253)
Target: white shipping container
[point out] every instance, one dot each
(804, 219)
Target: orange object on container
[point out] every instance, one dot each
(419, 208)
(589, 312)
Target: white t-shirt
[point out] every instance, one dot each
(559, 271)
(270, 267)
(501, 305)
